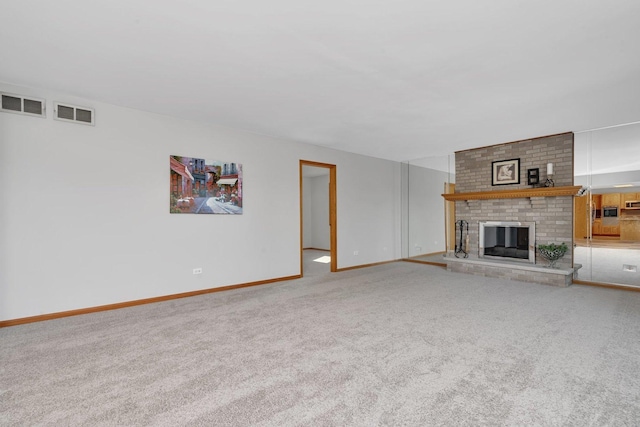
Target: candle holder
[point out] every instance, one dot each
(549, 182)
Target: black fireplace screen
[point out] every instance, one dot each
(509, 242)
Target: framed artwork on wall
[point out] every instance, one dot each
(505, 172)
(533, 176)
(202, 186)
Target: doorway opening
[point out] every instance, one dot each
(318, 222)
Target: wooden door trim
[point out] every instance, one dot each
(333, 212)
(449, 218)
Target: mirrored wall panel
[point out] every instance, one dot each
(426, 217)
(607, 218)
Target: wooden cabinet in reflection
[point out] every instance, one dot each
(628, 197)
(588, 213)
(611, 199)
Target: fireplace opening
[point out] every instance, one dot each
(507, 240)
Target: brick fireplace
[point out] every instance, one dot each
(549, 208)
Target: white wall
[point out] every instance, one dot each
(307, 213)
(84, 213)
(604, 182)
(321, 231)
(608, 157)
(315, 199)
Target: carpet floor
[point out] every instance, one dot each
(395, 344)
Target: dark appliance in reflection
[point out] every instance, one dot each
(610, 215)
(610, 212)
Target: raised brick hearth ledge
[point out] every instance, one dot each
(511, 270)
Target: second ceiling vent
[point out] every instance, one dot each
(73, 113)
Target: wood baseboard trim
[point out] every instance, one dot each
(417, 261)
(88, 310)
(607, 285)
(429, 254)
(355, 267)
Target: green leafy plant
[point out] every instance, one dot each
(552, 247)
(553, 252)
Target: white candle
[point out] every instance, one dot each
(549, 168)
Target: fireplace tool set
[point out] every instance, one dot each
(463, 246)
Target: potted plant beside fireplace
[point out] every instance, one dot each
(553, 252)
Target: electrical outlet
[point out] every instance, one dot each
(197, 271)
(355, 252)
(630, 268)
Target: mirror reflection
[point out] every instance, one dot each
(427, 226)
(607, 218)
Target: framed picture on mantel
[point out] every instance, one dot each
(533, 176)
(505, 172)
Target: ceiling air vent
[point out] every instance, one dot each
(72, 113)
(12, 103)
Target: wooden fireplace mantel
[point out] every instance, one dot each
(515, 194)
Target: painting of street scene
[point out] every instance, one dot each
(200, 186)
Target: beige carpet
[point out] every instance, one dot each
(396, 344)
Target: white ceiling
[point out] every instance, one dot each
(396, 80)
